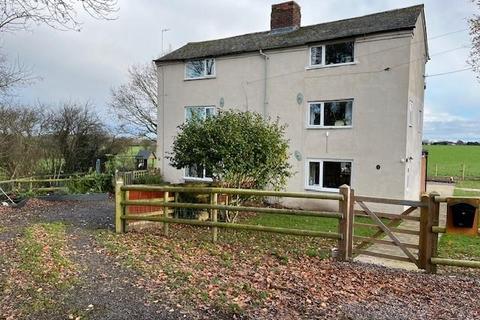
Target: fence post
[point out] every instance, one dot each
(428, 241)
(434, 208)
(175, 211)
(165, 212)
(214, 201)
(424, 239)
(119, 207)
(344, 226)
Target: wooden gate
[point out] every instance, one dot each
(403, 238)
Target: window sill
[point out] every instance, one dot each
(199, 78)
(327, 127)
(323, 66)
(198, 179)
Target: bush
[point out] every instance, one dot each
(90, 183)
(150, 178)
(237, 149)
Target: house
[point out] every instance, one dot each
(145, 160)
(351, 92)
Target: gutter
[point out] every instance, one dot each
(265, 96)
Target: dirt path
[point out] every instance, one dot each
(104, 288)
(238, 278)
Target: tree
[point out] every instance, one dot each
(239, 149)
(18, 15)
(135, 103)
(475, 34)
(79, 135)
(19, 146)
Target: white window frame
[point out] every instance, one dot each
(212, 107)
(320, 186)
(322, 111)
(204, 76)
(204, 178)
(324, 50)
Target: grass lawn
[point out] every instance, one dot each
(465, 193)
(469, 184)
(459, 247)
(309, 223)
(449, 160)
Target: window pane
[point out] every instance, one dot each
(194, 171)
(199, 112)
(210, 65)
(339, 53)
(314, 176)
(209, 112)
(315, 55)
(336, 173)
(195, 69)
(315, 113)
(338, 113)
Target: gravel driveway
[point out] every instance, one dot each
(108, 289)
(105, 289)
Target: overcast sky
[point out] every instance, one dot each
(85, 65)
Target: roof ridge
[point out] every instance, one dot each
(315, 24)
(383, 21)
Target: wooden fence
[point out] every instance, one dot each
(392, 229)
(423, 254)
(129, 177)
(122, 215)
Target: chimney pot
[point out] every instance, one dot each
(285, 15)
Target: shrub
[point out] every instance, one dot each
(92, 182)
(239, 149)
(150, 178)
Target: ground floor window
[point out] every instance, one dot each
(197, 172)
(328, 174)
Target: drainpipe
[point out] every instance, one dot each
(265, 96)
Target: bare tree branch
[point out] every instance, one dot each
(135, 103)
(474, 22)
(59, 14)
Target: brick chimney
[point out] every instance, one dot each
(285, 16)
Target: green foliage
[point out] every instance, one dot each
(92, 182)
(150, 178)
(239, 149)
(456, 246)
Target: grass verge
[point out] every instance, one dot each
(38, 269)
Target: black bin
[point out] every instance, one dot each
(463, 215)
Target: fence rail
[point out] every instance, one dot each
(350, 206)
(122, 204)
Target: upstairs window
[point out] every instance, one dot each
(197, 69)
(329, 54)
(200, 112)
(330, 114)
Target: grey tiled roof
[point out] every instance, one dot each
(399, 19)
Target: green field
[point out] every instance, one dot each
(449, 160)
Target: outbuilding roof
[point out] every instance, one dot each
(387, 21)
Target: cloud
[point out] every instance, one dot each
(446, 126)
(85, 65)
